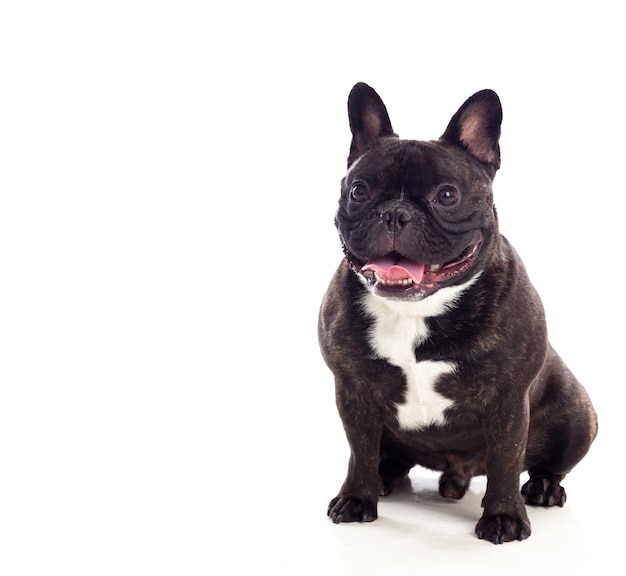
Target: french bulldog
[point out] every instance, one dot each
(434, 333)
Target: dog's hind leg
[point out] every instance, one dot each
(561, 431)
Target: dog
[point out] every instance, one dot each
(434, 333)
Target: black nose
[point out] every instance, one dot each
(395, 218)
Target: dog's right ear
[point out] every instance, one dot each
(369, 120)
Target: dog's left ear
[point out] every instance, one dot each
(369, 120)
(476, 127)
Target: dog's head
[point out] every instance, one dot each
(416, 216)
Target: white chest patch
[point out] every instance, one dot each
(400, 327)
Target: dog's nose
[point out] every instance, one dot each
(395, 218)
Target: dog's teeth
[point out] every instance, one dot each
(434, 267)
(403, 282)
(379, 278)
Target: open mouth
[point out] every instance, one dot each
(393, 273)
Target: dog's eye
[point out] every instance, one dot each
(447, 196)
(359, 192)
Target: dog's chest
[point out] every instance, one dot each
(397, 329)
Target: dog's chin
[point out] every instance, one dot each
(395, 277)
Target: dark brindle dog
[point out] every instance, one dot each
(434, 333)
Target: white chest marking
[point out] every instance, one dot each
(400, 327)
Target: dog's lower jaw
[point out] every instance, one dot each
(401, 293)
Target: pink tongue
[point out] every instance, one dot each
(394, 269)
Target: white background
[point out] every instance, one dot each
(169, 175)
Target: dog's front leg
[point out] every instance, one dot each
(358, 499)
(504, 518)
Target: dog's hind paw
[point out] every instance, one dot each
(453, 485)
(544, 491)
(352, 509)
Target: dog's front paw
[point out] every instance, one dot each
(352, 509)
(502, 528)
(544, 491)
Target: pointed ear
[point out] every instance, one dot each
(369, 120)
(476, 127)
